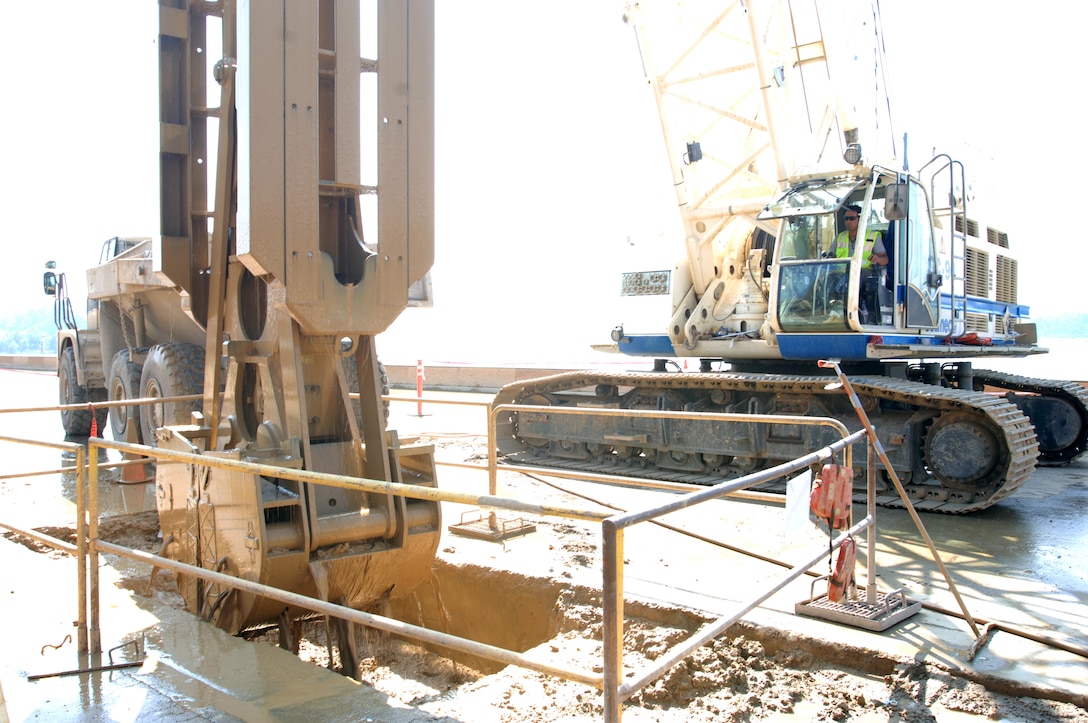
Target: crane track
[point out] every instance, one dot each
(1013, 431)
(1071, 394)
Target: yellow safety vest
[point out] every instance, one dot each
(842, 247)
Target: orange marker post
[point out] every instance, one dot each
(419, 387)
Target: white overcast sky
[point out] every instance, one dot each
(549, 156)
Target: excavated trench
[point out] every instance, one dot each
(498, 608)
(751, 673)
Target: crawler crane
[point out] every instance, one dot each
(776, 120)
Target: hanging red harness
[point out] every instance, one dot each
(830, 500)
(832, 496)
(842, 579)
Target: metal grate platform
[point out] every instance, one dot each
(889, 609)
(490, 527)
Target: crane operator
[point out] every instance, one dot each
(873, 261)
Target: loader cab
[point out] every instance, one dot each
(818, 286)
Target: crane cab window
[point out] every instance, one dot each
(820, 287)
(818, 196)
(807, 237)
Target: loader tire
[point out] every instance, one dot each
(174, 369)
(77, 422)
(124, 384)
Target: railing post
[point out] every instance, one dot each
(92, 558)
(870, 511)
(612, 614)
(81, 549)
(492, 454)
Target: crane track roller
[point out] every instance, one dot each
(964, 452)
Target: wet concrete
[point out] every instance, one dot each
(191, 671)
(1019, 562)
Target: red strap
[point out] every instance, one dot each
(843, 577)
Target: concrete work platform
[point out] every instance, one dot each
(1019, 563)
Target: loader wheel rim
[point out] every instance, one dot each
(117, 394)
(65, 387)
(158, 413)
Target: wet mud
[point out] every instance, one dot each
(752, 673)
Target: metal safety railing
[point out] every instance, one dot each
(616, 690)
(612, 530)
(79, 454)
(494, 465)
(613, 527)
(349, 614)
(89, 545)
(610, 680)
(419, 400)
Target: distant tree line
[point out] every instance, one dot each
(1065, 326)
(29, 332)
(33, 332)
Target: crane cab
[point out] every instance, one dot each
(827, 281)
(945, 283)
(919, 281)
